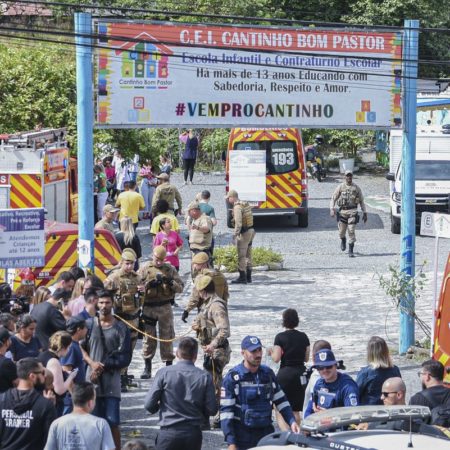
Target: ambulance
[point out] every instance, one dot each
(286, 188)
(61, 240)
(441, 341)
(36, 171)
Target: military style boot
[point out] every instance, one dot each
(249, 275)
(242, 278)
(350, 250)
(343, 243)
(147, 373)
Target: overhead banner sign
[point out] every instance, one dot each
(22, 238)
(159, 74)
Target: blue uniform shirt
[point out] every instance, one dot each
(246, 402)
(342, 392)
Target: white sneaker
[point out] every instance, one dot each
(184, 184)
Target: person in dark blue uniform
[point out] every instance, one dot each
(248, 392)
(333, 389)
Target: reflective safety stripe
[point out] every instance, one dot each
(278, 395)
(227, 401)
(282, 405)
(226, 415)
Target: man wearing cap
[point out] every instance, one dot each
(130, 203)
(161, 282)
(347, 197)
(200, 230)
(244, 233)
(167, 191)
(200, 266)
(213, 330)
(109, 215)
(127, 287)
(249, 392)
(333, 389)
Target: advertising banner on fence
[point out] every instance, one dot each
(22, 238)
(159, 74)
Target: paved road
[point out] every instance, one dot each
(337, 297)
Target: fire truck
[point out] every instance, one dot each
(37, 171)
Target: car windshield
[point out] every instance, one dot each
(281, 156)
(430, 170)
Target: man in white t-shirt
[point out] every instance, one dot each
(80, 430)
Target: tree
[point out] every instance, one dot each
(37, 88)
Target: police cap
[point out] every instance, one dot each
(200, 258)
(251, 343)
(160, 252)
(323, 358)
(110, 209)
(232, 193)
(129, 255)
(163, 176)
(348, 172)
(193, 205)
(202, 281)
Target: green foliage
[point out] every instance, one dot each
(213, 143)
(404, 290)
(227, 257)
(37, 88)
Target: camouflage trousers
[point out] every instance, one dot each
(347, 222)
(215, 364)
(244, 249)
(163, 317)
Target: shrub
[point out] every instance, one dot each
(227, 257)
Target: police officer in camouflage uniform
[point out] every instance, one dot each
(200, 266)
(347, 196)
(244, 233)
(213, 330)
(126, 284)
(161, 282)
(168, 192)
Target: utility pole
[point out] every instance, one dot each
(85, 135)
(408, 205)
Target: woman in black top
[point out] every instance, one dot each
(127, 238)
(291, 349)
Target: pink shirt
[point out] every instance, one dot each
(76, 305)
(174, 241)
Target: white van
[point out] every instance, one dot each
(432, 173)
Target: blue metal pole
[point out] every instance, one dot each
(408, 205)
(85, 135)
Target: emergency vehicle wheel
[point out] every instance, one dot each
(395, 225)
(302, 220)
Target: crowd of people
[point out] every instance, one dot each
(64, 364)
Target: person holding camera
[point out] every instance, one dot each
(212, 326)
(161, 282)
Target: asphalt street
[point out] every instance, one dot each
(338, 298)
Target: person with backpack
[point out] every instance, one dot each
(434, 394)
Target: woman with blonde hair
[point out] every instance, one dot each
(41, 295)
(76, 303)
(127, 238)
(59, 346)
(370, 379)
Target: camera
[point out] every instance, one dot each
(9, 303)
